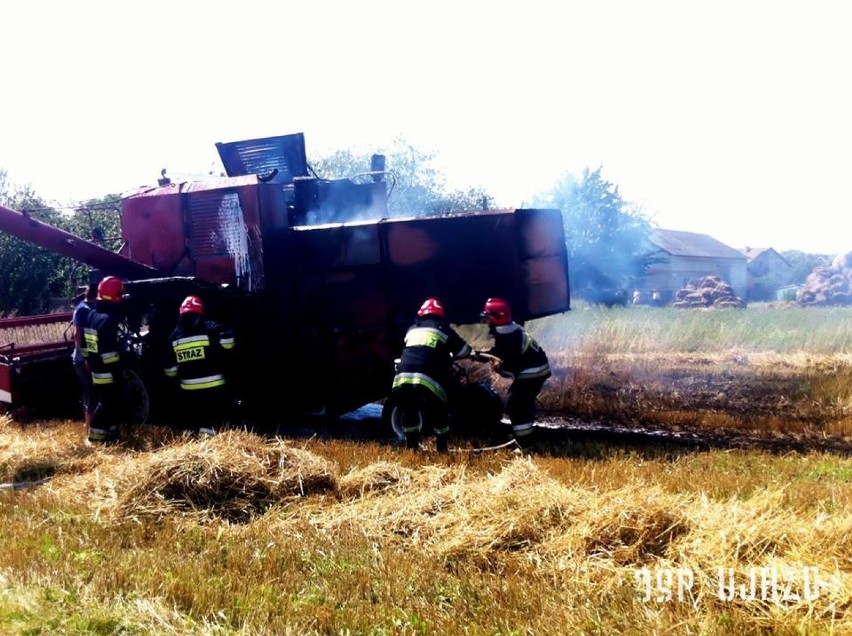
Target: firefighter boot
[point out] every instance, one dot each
(524, 435)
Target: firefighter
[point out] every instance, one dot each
(423, 383)
(78, 356)
(520, 358)
(103, 356)
(199, 357)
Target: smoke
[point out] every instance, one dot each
(331, 213)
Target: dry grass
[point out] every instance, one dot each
(240, 534)
(244, 535)
(234, 476)
(763, 370)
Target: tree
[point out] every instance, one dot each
(802, 264)
(96, 220)
(606, 236)
(415, 186)
(29, 275)
(32, 276)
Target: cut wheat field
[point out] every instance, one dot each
(243, 534)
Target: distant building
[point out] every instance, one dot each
(768, 272)
(684, 256)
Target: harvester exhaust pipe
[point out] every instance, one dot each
(27, 228)
(377, 167)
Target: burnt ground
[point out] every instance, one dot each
(654, 404)
(663, 405)
(564, 435)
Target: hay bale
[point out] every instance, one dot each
(828, 285)
(234, 476)
(709, 291)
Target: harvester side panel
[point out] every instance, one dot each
(225, 243)
(341, 309)
(153, 230)
(544, 258)
(462, 260)
(211, 230)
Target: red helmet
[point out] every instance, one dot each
(431, 307)
(497, 312)
(111, 289)
(192, 304)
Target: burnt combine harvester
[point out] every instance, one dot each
(318, 283)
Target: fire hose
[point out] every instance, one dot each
(484, 449)
(22, 485)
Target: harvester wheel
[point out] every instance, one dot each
(391, 413)
(135, 395)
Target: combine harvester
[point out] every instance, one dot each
(319, 284)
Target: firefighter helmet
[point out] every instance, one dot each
(497, 312)
(111, 289)
(192, 304)
(431, 307)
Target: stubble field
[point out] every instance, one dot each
(249, 535)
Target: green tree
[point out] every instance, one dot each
(606, 236)
(96, 220)
(29, 275)
(802, 264)
(32, 276)
(461, 201)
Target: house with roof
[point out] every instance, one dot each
(679, 257)
(767, 272)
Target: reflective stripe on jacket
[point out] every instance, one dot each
(101, 335)
(431, 345)
(522, 357)
(402, 379)
(198, 353)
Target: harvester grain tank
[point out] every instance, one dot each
(318, 282)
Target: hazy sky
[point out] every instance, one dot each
(730, 118)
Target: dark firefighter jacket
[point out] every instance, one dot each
(431, 345)
(198, 356)
(103, 347)
(522, 357)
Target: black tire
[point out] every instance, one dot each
(388, 408)
(392, 413)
